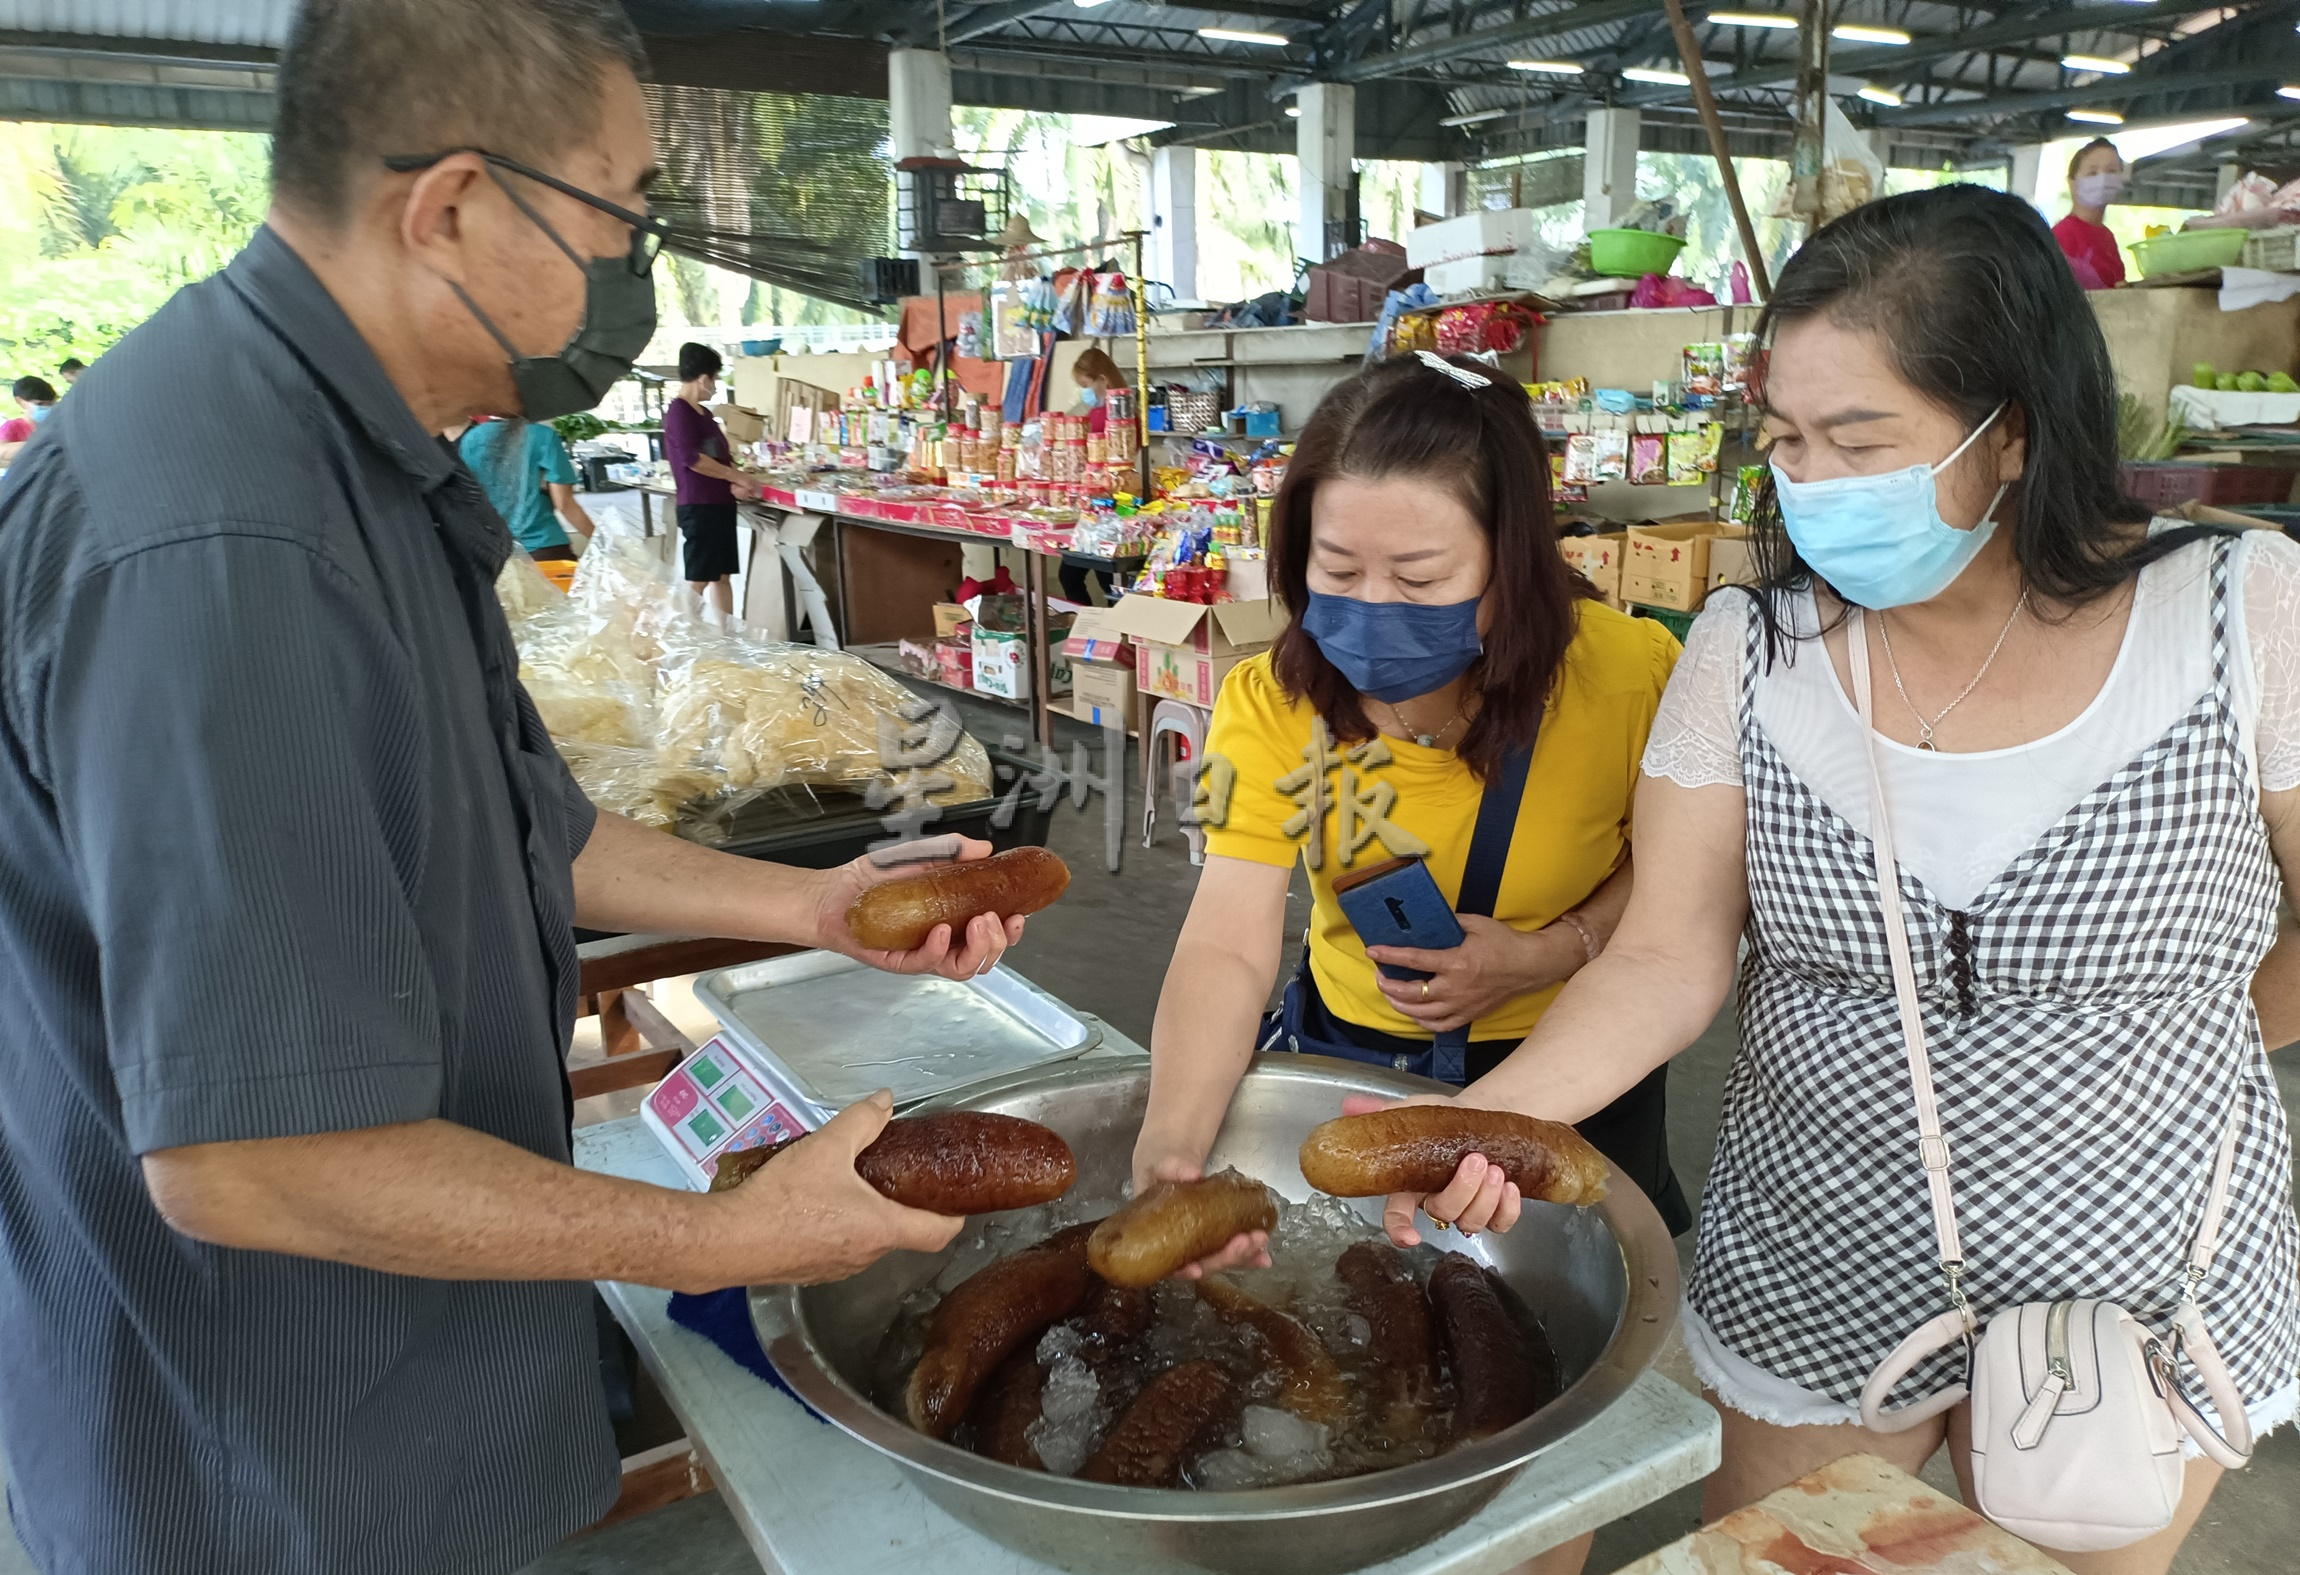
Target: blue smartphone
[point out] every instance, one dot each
(1397, 903)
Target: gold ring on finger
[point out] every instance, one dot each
(1425, 989)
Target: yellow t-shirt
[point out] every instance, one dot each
(1572, 826)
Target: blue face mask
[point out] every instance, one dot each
(37, 413)
(1880, 541)
(1394, 650)
(1090, 397)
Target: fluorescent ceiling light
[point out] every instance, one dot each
(1878, 95)
(2097, 117)
(2288, 91)
(2151, 141)
(2100, 63)
(1088, 5)
(1474, 117)
(1657, 78)
(1772, 19)
(1860, 33)
(1293, 112)
(1233, 35)
(1197, 92)
(1555, 68)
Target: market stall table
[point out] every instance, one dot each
(812, 1501)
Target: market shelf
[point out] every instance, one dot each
(889, 657)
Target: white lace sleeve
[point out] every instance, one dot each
(1696, 738)
(2272, 639)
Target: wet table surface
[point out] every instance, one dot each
(812, 1501)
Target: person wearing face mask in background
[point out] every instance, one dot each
(2086, 731)
(2096, 178)
(288, 894)
(37, 400)
(1096, 375)
(1433, 624)
(704, 472)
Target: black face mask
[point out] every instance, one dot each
(618, 302)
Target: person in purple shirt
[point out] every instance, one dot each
(708, 483)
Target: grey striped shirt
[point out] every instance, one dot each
(286, 851)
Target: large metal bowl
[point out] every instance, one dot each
(1603, 1280)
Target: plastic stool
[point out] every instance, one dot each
(1183, 726)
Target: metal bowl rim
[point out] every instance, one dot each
(1649, 1264)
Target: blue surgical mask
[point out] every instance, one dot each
(37, 413)
(1394, 650)
(1880, 541)
(1090, 397)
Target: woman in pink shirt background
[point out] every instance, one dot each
(35, 398)
(2095, 179)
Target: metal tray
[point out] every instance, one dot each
(839, 1030)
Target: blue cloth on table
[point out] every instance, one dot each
(724, 1319)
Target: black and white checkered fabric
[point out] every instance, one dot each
(2090, 1032)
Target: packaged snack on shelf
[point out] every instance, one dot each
(1705, 369)
(1685, 459)
(1647, 467)
(1580, 463)
(1740, 362)
(1746, 481)
(1712, 444)
(1611, 450)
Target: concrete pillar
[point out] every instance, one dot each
(2229, 175)
(1326, 143)
(1442, 190)
(2025, 170)
(918, 102)
(1609, 168)
(1172, 252)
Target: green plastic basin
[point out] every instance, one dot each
(1632, 254)
(2186, 251)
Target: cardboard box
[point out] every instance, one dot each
(1729, 561)
(1001, 663)
(1668, 565)
(1103, 694)
(1599, 560)
(1093, 637)
(1183, 650)
(741, 423)
(948, 617)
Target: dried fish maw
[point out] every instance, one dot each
(1177, 1222)
(1417, 1148)
(1146, 1448)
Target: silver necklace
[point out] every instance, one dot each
(1428, 740)
(1925, 728)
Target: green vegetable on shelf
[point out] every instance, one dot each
(2281, 383)
(2225, 382)
(2204, 374)
(2251, 383)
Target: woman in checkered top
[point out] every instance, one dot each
(2090, 740)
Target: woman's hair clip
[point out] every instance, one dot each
(1439, 363)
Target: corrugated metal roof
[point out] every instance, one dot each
(247, 23)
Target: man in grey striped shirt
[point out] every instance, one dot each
(292, 1262)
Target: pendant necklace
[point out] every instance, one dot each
(1428, 740)
(1925, 728)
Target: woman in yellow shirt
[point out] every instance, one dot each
(1437, 637)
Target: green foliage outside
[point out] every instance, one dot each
(101, 224)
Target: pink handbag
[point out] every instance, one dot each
(2076, 1409)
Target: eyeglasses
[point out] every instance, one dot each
(647, 233)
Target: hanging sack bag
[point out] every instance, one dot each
(2077, 1408)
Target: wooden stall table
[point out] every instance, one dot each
(1858, 1516)
(640, 1043)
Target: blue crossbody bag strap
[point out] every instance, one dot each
(1481, 888)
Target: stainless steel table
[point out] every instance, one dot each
(812, 1501)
